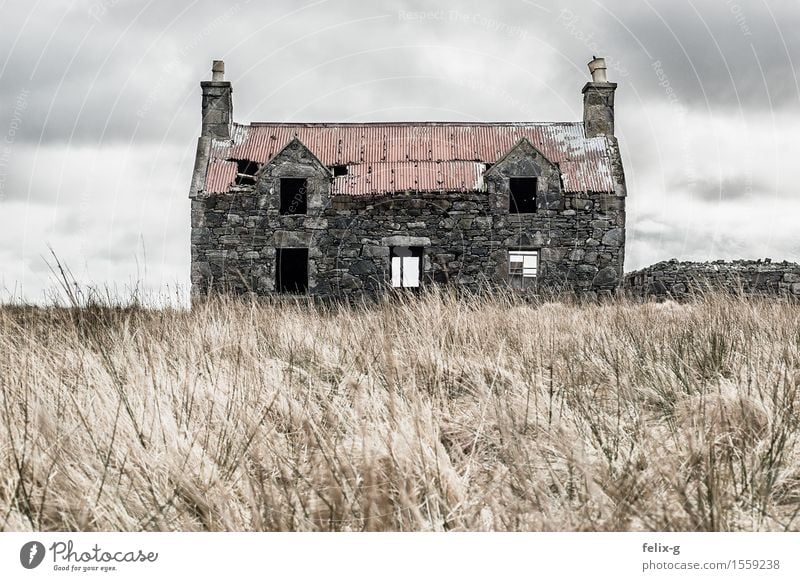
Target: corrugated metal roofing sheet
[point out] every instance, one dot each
(220, 176)
(422, 176)
(389, 157)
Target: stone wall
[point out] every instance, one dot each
(465, 235)
(674, 279)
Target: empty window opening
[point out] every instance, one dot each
(294, 198)
(522, 195)
(406, 266)
(339, 170)
(291, 270)
(523, 267)
(245, 172)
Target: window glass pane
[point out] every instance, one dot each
(530, 261)
(396, 271)
(410, 271)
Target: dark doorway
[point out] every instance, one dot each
(522, 198)
(291, 270)
(294, 198)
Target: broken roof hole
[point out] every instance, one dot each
(245, 172)
(339, 170)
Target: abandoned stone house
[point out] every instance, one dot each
(350, 208)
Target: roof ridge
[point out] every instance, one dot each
(400, 123)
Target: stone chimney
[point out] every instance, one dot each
(217, 104)
(598, 101)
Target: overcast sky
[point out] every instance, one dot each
(100, 111)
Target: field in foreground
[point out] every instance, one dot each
(434, 414)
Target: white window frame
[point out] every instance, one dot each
(523, 264)
(406, 271)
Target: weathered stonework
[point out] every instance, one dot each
(465, 235)
(598, 108)
(679, 280)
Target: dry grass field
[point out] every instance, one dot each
(425, 414)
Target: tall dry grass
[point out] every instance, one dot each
(428, 414)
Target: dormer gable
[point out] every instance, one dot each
(294, 160)
(524, 159)
(524, 181)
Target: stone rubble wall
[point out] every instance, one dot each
(678, 280)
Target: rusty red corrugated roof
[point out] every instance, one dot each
(422, 176)
(390, 157)
(220, 175)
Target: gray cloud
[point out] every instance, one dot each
(730, 189)
(120, 70)
(706, 55)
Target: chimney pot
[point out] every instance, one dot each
(597, 67)
(218, 71)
